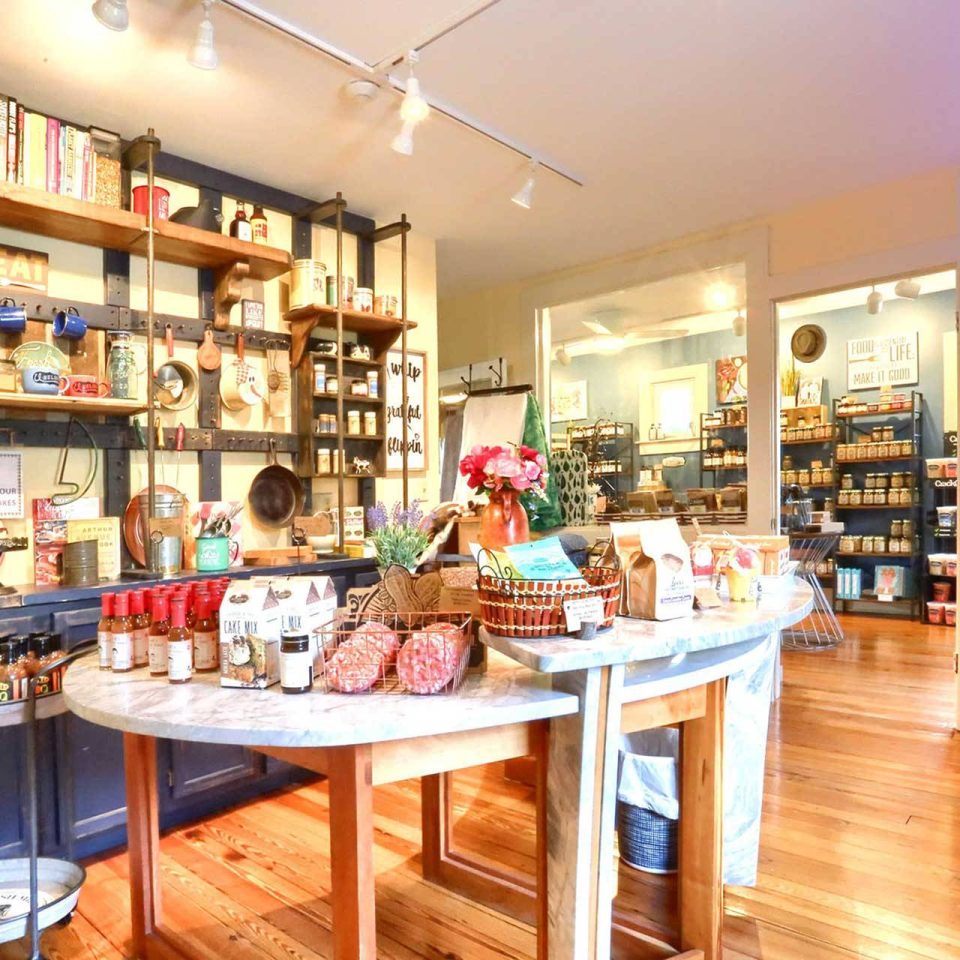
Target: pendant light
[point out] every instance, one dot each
(402, 143)
(739, 324)
(874, 301)
(203, 53)
(112, 13)
(909, 289)
(414, 109)
(524, 196)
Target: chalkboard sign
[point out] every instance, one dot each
(950, 444)
(416, 411)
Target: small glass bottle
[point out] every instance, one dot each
(157, 638)
(296, 664)
(105, 632)
(240, 227)
(122, 634)
(141, 628)
(8, 690)
(206, 639)
(16, 672)
(258, 224)
(179, 643)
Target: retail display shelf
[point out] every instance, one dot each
(819, 486)
(853, 463)
(877, 506)
(875, 414)
(724, 469)
(348, 398)
(726, 426)
(881, 556)
(100, 406)
(797, 443)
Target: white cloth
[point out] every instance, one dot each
(489, 421)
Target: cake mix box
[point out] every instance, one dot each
(50, 533)
(307, 604)
(250, 627)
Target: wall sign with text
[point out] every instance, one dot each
(891, 361)
(11, 485)
(415, 413)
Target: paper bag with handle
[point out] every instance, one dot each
(657, 577)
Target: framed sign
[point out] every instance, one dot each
(568, 401)
(891, 361)
(415, 413)
(732, 380)
(252, 314)
(24, 269)
(11, 485)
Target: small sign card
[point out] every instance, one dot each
(583, 610)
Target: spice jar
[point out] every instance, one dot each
(370, 423)
(296, 664)
(319, 377)
(353, 422)
(323, 462)
(333, 384)
(121, 634)
(373, 383)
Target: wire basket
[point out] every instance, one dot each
(533, 609)
(648, 841)
(421, 652)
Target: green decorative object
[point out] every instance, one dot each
(213, 554)
(543, 513)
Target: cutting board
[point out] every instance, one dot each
(274, 556)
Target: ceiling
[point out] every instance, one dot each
(677, 116)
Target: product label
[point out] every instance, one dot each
(179, 660)
(206, 650)
(157, 653)
(122, 652)
(296, 669)
(105, 648)
(140, 647)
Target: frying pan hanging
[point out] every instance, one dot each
(276, 494)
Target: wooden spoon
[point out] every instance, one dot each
(208, 354)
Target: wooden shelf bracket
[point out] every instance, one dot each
(228, 291)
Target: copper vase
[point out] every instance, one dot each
(503, 521)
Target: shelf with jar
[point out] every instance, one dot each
(610, 447)
(726, 418)
(717, 454)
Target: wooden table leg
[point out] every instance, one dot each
(700, 878)
(143, 838)
(350, 775)
(435, 803)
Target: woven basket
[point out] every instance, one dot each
(648, 841)
(533, 609)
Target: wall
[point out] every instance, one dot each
(75, 274)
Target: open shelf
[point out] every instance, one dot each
(796, 443)
(882, 556)
(348, 398)
(79, 221)
(852, 463)
(101, 406)
(874, 414)
(382, 331)
(726, 426)
(877, 506)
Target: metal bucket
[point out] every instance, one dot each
(80, 563)
(164, 551)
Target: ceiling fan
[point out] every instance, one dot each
(610, 323)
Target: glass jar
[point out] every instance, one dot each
(333, 384)
(867, 545)
(868, 498)
(353, 422)
(787, 463)
(856, 498)
(846, 481)
(370, 423)
(896, 529)
(880, 545)
(883, 450)
(888, 433)
(846, 544)
(122, 367)
(906, 529)
(803, 478)
(843, 498)
(882, 481)
(870, 481)
(896, 481)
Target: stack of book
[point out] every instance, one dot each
(49, 154)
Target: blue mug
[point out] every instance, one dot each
(13, 318)
(45, 380)
(68, 323)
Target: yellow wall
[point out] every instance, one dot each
(75, 273)
(493, 321)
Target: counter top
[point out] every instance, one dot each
(32, 594)
(630, 641)
(204, 711)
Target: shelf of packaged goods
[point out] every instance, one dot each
(878, 506)
(874, 414)
(797, 443)
(880, 556)
(80, 221)
(348, 398)
(725, 426)
(80, 406)
(724, 469)
(852, 463)
(369, 438)
(819, 486)
(382, 331)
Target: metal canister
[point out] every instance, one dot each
(307, 283)
(80, 563)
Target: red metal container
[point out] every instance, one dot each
(161, 202)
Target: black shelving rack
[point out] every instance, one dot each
(943, 494)
(733, 434)
(908, 425)
(610, 446)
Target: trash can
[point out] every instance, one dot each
(648, 805)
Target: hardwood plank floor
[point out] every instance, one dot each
(860, 854)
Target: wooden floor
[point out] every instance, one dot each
(860, 853)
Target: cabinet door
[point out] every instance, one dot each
(199, 767)
(77, 626)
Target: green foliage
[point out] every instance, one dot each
(396, 543)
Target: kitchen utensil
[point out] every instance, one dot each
(181, 431)
(161, 202)
(220, 525)
(41, 380)
(276, 494)
(175, 381)
(133, 529)
(165, 554)
(204, 216)
(13, 316)
(240, 384)
(69, 324)
(74, 491)
(208, 354)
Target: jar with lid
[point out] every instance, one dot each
(846, 481)
(370, 423)
(880, 545)
(906, 497)
(353, 422)
(857, 542)
(358, 388)
(828, 505)
(870, 481)
(319, 377)
(896, 481)
(843, 498)
(296, 664)
(882, 481)
(333, 384)
(803, 478)
(883, 450)
(846, 544)
(908, 479)
(787, 463)
(373, 383)
(122, 366)
(856, 498)
(906, 529)
(866, 545)
(324, 463)
(906, 448)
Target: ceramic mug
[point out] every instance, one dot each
(83, 385)
(13, 318)
(45, 380)
(68, 323)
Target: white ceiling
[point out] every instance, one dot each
(679, 116)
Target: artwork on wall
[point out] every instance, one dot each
(732, 380)
(568, 401)
(809, 391)
(416, 412)
(891, 361)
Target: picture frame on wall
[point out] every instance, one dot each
(810, 391)
(416, 412)
(731, 373)
(568, 401)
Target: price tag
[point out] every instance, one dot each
(586, 609)
(885, 597)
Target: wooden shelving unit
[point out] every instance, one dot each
(381, 332)
(79, 406)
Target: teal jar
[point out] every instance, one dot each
(213, 554)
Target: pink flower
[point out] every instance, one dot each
(531, 469)
(504, 465)
(520, 483)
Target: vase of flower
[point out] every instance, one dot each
(506, 475)
(503, 521)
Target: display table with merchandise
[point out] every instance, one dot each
(509, 711)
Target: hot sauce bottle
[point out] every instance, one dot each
(122, 634)
(258, 224)
(157, 636)
(206, 639)
(105, 632)
(141, 626)
(240, 226)
(179, 643)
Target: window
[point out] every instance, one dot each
(674, 408)
(672, 400)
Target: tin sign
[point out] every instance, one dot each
(875, 362)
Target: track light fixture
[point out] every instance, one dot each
(874, 301)
(203, 54)
(414, 109)
(402, 143)
(524, 196)
(739, 324)
(909, 289)
(112, 13)
(562, 357)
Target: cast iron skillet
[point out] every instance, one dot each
(276, 494)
